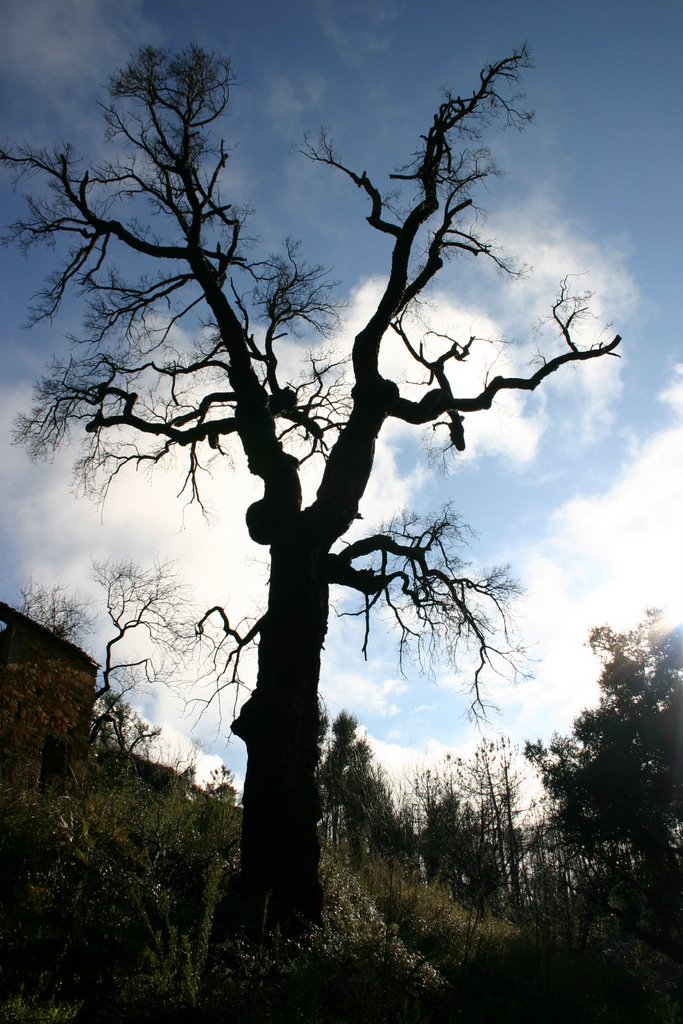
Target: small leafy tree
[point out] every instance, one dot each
(617, 781)
(357, 804)
(150, 242)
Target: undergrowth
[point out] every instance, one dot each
(115, 906)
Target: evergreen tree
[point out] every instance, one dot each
(617, 781)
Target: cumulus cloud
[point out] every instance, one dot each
(505, 317)
(361, 692)
(173, 747)
(606, 558)
(554, 248)
(511, 430)
(367, 688)
(48, 534)
(393, 484)
(57, 533)
(405, 762)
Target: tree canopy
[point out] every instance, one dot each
(617, 780)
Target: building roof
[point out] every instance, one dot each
(10, 614)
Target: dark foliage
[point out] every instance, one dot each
(109, 887)
(359, 810)
(617, 782)
(118, 905)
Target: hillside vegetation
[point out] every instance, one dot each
(447, 902)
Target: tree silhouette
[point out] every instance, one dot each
(69, 616)
(617, 782)
(357, 805)
(152, 243)
(469, 835)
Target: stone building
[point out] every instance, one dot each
(47, 689)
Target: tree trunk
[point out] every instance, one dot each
(279, 724)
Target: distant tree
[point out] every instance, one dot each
(150, 627)
(439, 813)
(558, 897)
(150, 244)
(119, 728)
(357, 805)
(221, 786)
(147, 637)
(69, 615)
(148, 633)
(470, 836)
(617, 782)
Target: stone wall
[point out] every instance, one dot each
(47, 688)
(45, 713)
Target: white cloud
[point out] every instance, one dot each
(554, 248)
(357, 29)
(493, 309)
(537, 230)
(391, 488)
(365, 691)
(511, 430)
(292, 95)
(406, 761)
(173, 747)
(47, 42)
(54, 537)
(606, 558)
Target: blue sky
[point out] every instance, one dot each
(579, 486)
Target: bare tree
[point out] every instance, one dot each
(150, 635)
(148, 609)
(69, 615)
(139, 391)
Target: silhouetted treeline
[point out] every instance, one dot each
(467, 892)
(576, 839)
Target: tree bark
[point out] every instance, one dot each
(279, 725)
